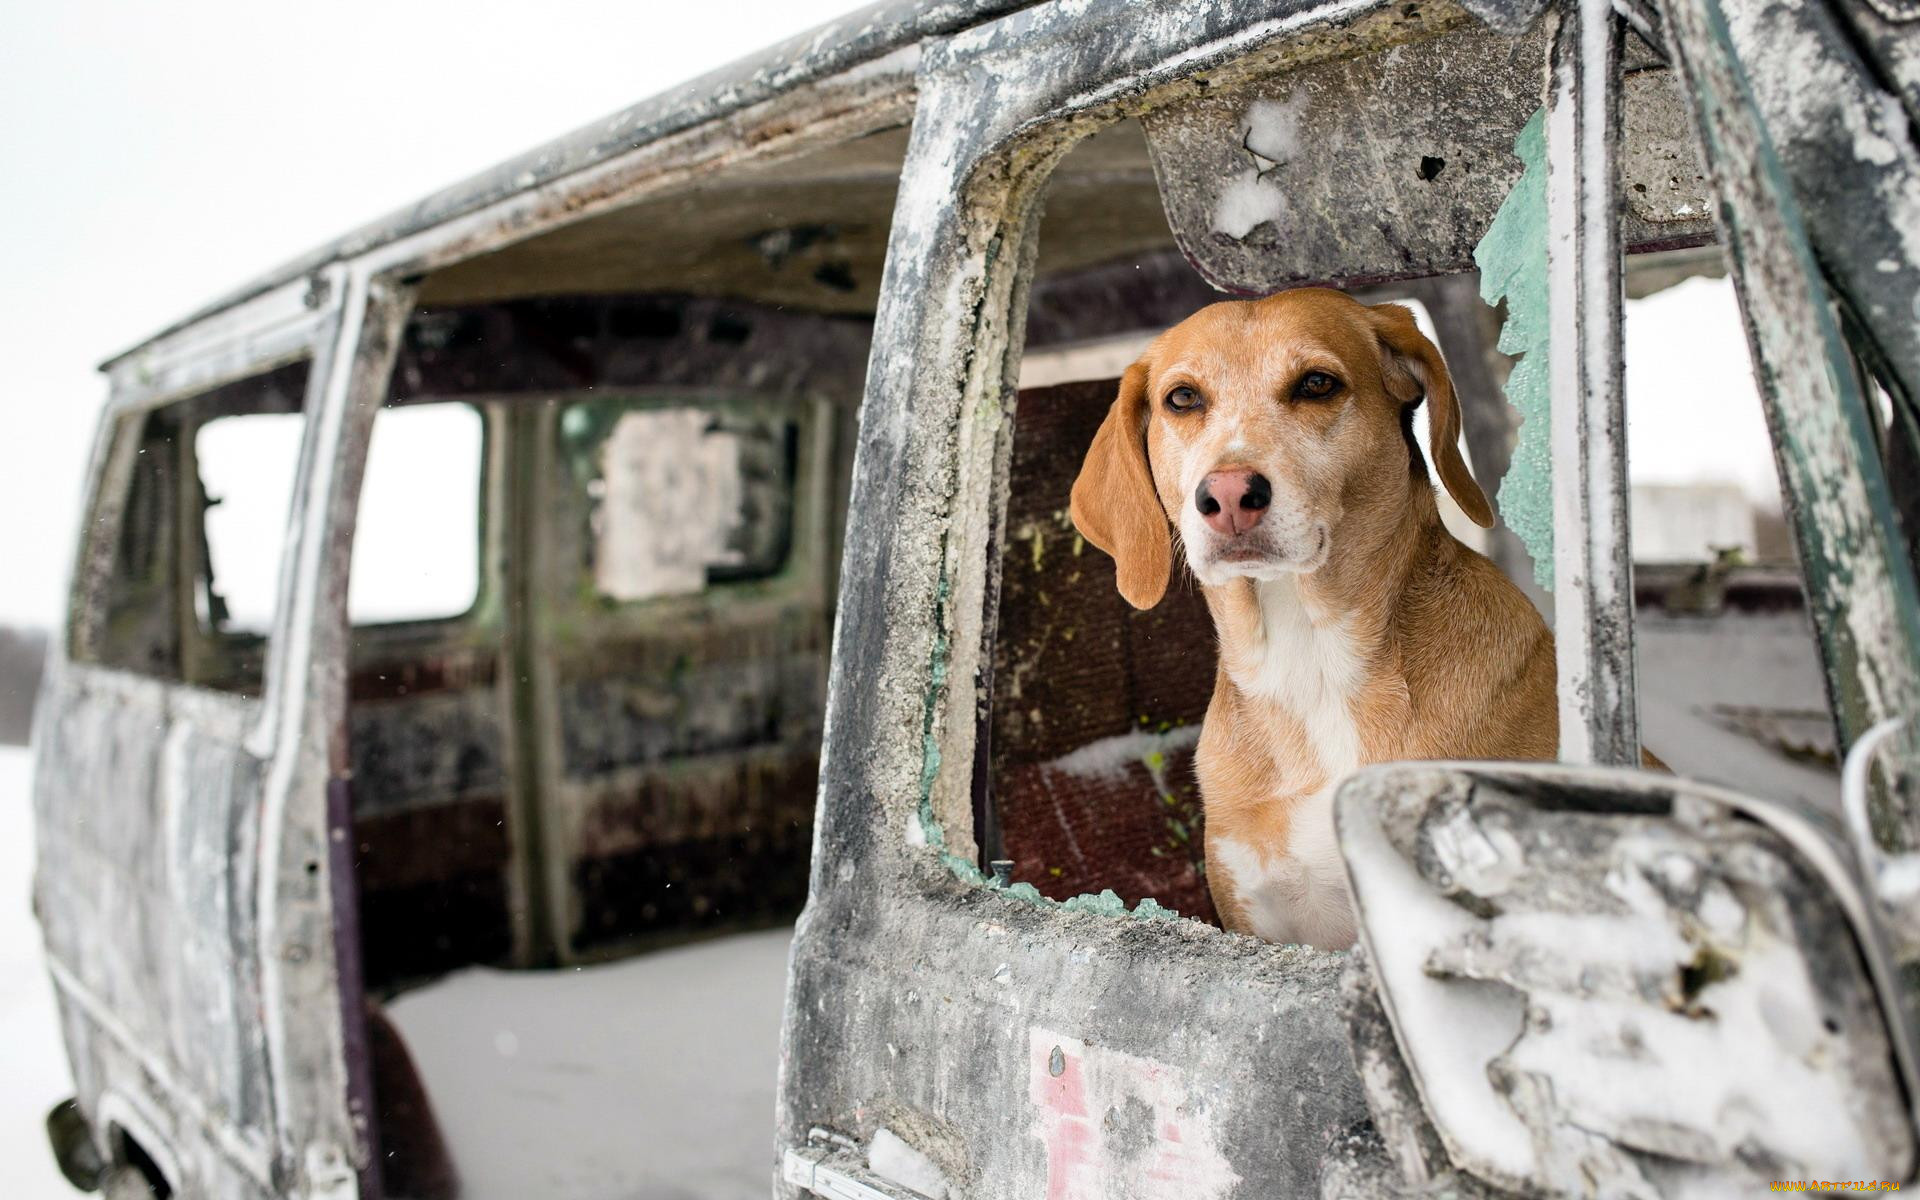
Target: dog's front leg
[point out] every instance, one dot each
(1226, 900)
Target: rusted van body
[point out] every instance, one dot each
(768, 393)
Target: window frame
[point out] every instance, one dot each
(913, 639)
(808, 420)
(123, 429)
(941, 382)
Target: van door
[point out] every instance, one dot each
(154, 839)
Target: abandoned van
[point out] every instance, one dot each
(491, 632)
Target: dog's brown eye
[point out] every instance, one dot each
(1316, 385)
(1183, 399)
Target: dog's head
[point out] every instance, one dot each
(1265, 432)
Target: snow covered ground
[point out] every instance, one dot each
(648, 1079)
(33, 1064)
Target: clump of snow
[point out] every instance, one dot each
(1247, 203)
(1271, 138)
(1109, 759)
(891, 1158)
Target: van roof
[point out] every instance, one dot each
(845, 42)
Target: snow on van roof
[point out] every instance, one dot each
(860, 36)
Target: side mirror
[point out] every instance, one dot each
(1576, 981)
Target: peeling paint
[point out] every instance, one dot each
(1116, 1124)
(1512, 258)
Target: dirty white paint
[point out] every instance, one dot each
(1657, 1018)
(1824, 92)
(1593, 571)
(1117, 1125)
(1758, 1069)
(891, 1158)
(1860, 606)
(1455, 1028)
(299, 993)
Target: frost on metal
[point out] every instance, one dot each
(1512, 258)
(1259, 179)
(1589, 988)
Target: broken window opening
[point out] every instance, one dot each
(1084, 778)
(247, 464)
(189, 590)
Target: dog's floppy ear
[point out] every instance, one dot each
(1418, 360)
(1114, 505)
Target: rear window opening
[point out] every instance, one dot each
(681, 497)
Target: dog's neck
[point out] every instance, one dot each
(1347, 614)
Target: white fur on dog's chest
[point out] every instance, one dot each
(1313, 671)
(1298, 892)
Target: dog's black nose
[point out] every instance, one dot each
(1232, 501)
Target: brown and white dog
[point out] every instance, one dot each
(1275, 437)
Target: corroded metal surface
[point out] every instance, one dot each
(1836, 108)
(890, 925)
(1631, 976)
(1861, 589)
(1592, 547)
(1260, 180)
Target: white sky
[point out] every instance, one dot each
(157, 155)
